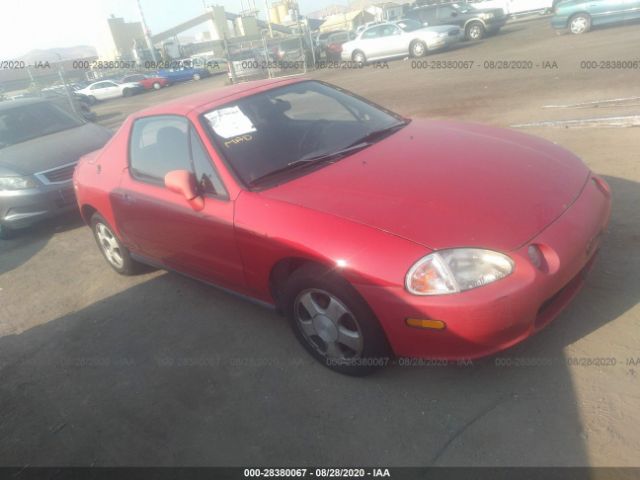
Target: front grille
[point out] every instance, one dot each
(59, 175)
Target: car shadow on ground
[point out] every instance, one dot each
(25, 243)
(173, 372)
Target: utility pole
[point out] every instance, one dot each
(145, 30)
(266, 5)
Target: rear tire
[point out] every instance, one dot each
(474, 31)
(114, 252)
(359, 57)
(580, 23)
(333, 322)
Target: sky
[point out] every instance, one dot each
(38, 24)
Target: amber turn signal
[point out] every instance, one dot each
(425, 323)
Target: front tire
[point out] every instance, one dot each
(333, 322)
(418, 49)
(580, 23)
(157, 86)
(475, 31)
(114, 252)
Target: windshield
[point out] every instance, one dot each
(26, 122)
(409, 25)
(267, 132)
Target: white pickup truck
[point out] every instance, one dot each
(517, 7)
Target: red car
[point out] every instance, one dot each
(147, 81)
(375, 234)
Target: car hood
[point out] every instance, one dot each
(51, 151)
(444, 184)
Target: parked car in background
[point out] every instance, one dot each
(58, 96)
(320, 42)
(371, 232)
(362, 28)
(294, 49)
(184, 73)
(149, 82)
(106, 89)
(403, 38)
(516, 7)
(246, 65)
(579, 16)
(215, 65)
(475, 23)
(40, 144)
(333, 45)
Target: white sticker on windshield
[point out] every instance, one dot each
(230, 122)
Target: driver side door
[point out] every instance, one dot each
(160, 225)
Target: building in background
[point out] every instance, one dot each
(284, 12)
(346, 21)
(386, 11)
(120, 40)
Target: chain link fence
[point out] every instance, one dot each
(268, 57)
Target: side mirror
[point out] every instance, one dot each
(183, 182)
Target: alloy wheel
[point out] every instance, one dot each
(328, 325)
(109, 244)
(578, 25)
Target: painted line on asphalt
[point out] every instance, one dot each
(614, 122)
(594, 103)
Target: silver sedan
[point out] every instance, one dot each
(399, 39)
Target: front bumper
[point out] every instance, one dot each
(23, 208)
(485, 320)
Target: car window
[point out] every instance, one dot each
(165, 143)
(206, 174)
(373, 32)
(389, 30)
(159, 145)
(446, 12)
(97, 86)
(266, 132)
(26, 122)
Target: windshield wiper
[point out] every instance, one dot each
(310, 160)
(380, 134)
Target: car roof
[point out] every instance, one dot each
(202, 102)
(20, 102)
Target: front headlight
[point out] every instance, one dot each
(456, 270)
(16, 183)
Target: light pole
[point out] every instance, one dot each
(145, 30)
(268, 8)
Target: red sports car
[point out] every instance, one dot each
(148, 81)
(376, 235)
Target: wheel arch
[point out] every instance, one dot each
(86, 212)
(472, 20)
(282, 270)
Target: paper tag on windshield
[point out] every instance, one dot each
(230, 122)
